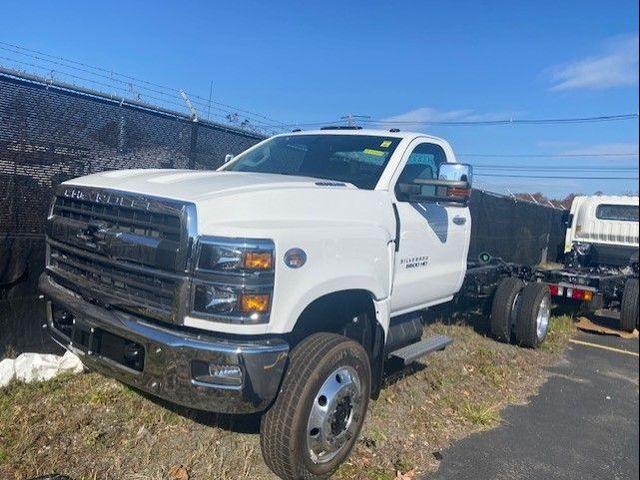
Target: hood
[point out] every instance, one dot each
(254, 205)
(198, 185)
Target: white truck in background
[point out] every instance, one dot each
(279, 284)
(601, 257)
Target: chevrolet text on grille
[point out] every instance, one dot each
(106, 198)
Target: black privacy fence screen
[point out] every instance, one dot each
(514, 230)
(51, 132)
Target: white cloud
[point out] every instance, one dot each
(616, 66)
(428, 115)
(607, 151)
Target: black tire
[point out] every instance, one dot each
(283, 430)
(502, 308)
(629, 306)
(532, 299)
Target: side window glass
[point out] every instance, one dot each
(423, 164)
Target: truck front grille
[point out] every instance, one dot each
(137, 221)
(122, 250)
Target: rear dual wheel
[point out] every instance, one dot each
(629, 307)
(504, 308)
(534, 315)
(521, 312)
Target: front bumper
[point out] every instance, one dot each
(169, 356)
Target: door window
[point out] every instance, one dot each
(423, 164)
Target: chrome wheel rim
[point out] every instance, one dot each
(542, 320)
(335, 415)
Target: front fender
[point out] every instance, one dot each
(355, 258)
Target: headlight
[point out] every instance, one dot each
(233, 280)
(235, 255)
(229, 300)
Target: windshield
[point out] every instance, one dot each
(356, 159)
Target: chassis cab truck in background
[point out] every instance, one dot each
(279, 284)
(601, 257)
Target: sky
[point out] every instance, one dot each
(308, 62)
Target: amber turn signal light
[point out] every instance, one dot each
(254, 303)
(257, 261)
(458, 192)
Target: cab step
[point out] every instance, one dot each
(412, 352)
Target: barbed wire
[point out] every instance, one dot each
(140, 89)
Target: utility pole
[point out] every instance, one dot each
(350, 118)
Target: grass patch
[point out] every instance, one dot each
(479, 415)
(561, 329)
(488, 364)
(349, 470)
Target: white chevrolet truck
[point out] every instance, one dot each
(279, 283)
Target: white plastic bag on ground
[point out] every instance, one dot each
(70, 363)
(29, 367)
(36, 366)
(7, 371)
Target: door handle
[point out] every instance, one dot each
(459, 220)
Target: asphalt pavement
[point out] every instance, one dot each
(583, 424)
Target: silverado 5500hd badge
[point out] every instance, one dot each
(415, 262)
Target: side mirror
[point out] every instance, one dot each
(567, 219)
(453, 185)
(228, 157)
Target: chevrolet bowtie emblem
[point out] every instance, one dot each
(93, 233)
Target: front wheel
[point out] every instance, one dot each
(313, 424)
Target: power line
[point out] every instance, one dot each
(555, 168)
(567, 177)
(540, 155)
(111, 76)
(129, 93)
(540, 121)
(114, 74)
(511, 121)
(261, 120)
(351, 117)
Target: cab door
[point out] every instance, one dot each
(430, 260)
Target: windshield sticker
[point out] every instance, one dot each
(385, 144)
(371, 151)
